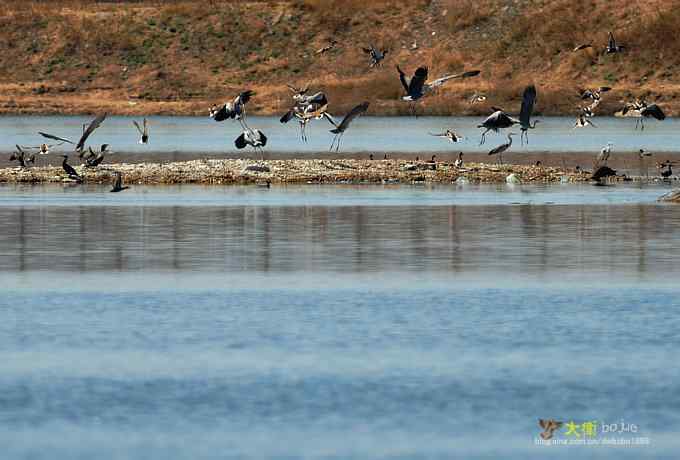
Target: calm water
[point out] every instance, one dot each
(335, 322)
(377, 134)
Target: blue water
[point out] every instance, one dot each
(375, 134)
(335, 322)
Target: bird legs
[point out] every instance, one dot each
(336, 142)
(483, 139)
(640, 121)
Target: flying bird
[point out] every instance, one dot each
(583, 47)
(56, 138)
(93, 159)
(375, 55)
(477, 97)
(612, 46)
(344, 124)
(234, 109)
(118, 184)
(22, 157)
(450, 135)
(496, 121)
(253, 137)
(528, 101)
(307, 108)
(640, 110)
(143, 132)
(331, 44)
(94, 124)
(70, 170)
(418, 87)
(502, 148)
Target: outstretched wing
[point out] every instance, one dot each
(240, 141)
(259, 135)
(96, 123)
(528, 100)
(56, 138)
(402, 78)
(415, 86)
(146, 127)
(611, 44)
(139, 128)
(442, 80)
(287, 116)
(118, 182)
(653, 111)
(330, 119)
(245, 96)
(355, 112)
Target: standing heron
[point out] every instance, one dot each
(234, 109)
(375, 55)
(603, 157)
(612, 47)
(118, 184)
(418, 87)
(253, 137)
(143, 132)
(502, 148)
(528, 101)
(451, 135)
(72, 173)
(344, 124)
(495, 122)
(22, 157)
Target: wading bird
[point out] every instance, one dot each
(582, 121)
(502, 148)
(418, 86)
(344, 124)
(70, 170)
(143, 132)
(496, 121)
(666, 169)
(450, 135)
(234, 109)
(612, 46)
(375, 55)
(603, 157)
(307, 108)
(87, 131)
(528, 101)
(118, 184)
(22, 157)
(640, 110)
(253, 137)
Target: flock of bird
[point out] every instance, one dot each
(306, 106)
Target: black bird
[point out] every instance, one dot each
(118, 184)
(93, 159)
(22, 157)
(375, 55)
(143, 132)
(70, 170)
(344, 124)
(602, 173)
(528, 101)
(96, 123)
(666, 170)
(56, 138)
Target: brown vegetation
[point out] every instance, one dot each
(74, 56)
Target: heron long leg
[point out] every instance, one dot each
(483, 137)
(337, 145)
(333, 143)
(642, 124)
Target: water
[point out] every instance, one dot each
(335, 322)
(375, 134)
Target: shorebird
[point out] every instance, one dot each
(502, 148)
(344, 124)
(375, 55)
(459, 161)
(496, 121)
(582, 121)
(234, 109)
(418, 87)
(253, 137)
(528, 100)
(118, 184)
(70, 170)
(612, 46)
(143, 132)
(450, 135)
(603, 157)
(640, 110)
(22, 157)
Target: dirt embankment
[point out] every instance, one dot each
(178, 57)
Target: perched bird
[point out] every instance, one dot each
(118, 184)
(640, 110)
(496, 121)
(418, 86)
(375, 55)
(602, 173)
(583, 47)
(22, 157)
(612, 46)
(459, 161)
(234, 109)
(582, 121)
(253, 137)
(450, 135)
(344, 124)
(603, 157)
(528, 101)
(502, 148)
(143, 132)
(70, 170)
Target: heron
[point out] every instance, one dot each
(418, 87)
(451, 135)
(502, 148)
(253, 137)
(582, 121)
(643, 155)
(88, 129)
(143, 132)
(93, 159)
(118, 184)
(603, 157)
(340, 129)
(496, 121)
(22, 157)
(459, 161)
(640, 110)
(234, 109)
(612, 46)
(307, 108)
(593, 94)
(375, 55)
(528, 101)
(72, 174)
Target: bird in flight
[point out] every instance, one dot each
(118, 184)
(80, 145)
(253, 137)
(417, 86)
(528, 101)
(143, 131)
(340, 129)
(451, 135)
(234, 109)
(375, 55)
(613, 47)
(22, 157)
(640, 110)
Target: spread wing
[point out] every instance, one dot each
(415, 86)
(442, 80)
(96, 123)
(653, 111)
(245, 96)
(56, 138)
(287, 116)
(139, 128)
(528, 100)
(355, 112)
(402, 78)
(118, 182)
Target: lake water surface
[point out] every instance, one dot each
(334, 321)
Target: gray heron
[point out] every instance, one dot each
(307, 108)
(253, 137)
(118, 184)
(234, 109)
(143, 131)
(502, 148)
(340, 129)
(496, 121)
(22, 157)
(418, 87)
(94, 124)
(603, 157)
(640, 110)
(582, 121)
(528, 101)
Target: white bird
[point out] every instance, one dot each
(603, 157)
(459, 161)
